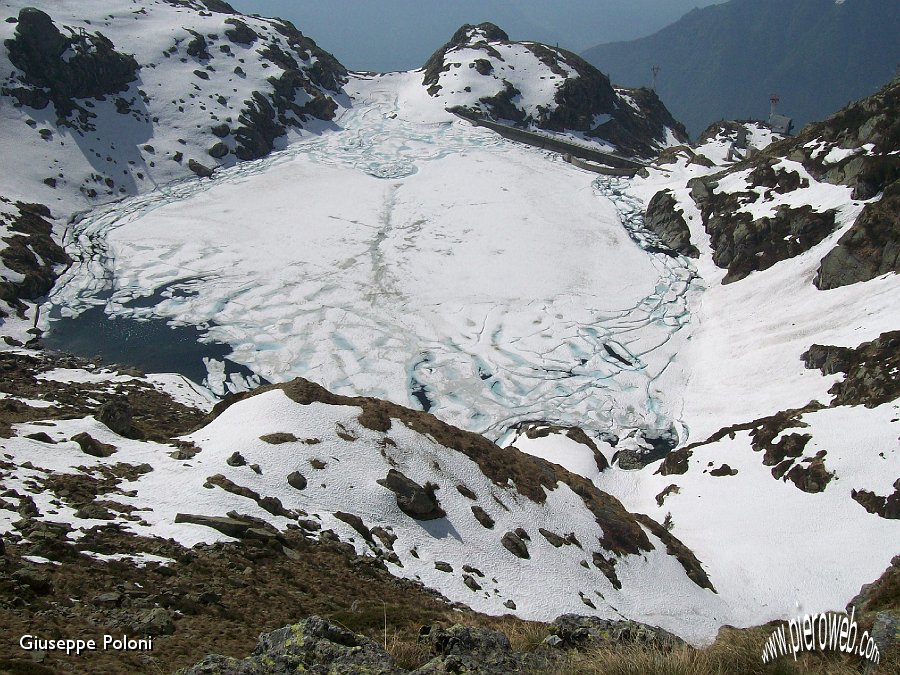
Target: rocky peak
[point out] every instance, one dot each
(469, 34)
(540, 87)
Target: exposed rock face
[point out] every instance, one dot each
(668, 223)
(871, 370)
(858, 148)
(31, 252)
(584, 101)
(870, 248)
(414, 500)
(742, 244)
(92, 67)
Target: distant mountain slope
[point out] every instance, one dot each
(534, 85)
(725, 61)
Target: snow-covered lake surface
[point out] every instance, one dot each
(409, 256)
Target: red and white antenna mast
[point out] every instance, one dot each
(773, 99)
(655, 71)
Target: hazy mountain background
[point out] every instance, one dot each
(725, 61)
(402, 34)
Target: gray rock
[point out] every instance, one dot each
(297, 480)
(663, 219)
(200, 169)
(471, 650)
(579, 631)
(117, 415)
(91, 446)
(870, 248)
(236, 459)
(414, 500)
(313, 645)
(514, 544)
(37, 580)
(442, 566)
(156, 621)
(482, 517)
(218, 151)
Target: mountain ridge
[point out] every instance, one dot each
(815, 54)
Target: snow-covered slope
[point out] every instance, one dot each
(533, 85)
(787, 479)
(191, 84)
(492, 528)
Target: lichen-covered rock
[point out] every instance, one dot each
(582, 631)
(313, 645)
(468, 649)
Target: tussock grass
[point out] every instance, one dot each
(734, 651)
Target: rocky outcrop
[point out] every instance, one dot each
(857, 147)
(30, 252)
(318, 645)
(742, 244)
(414, 500)
(578, 632)
(886, 507)
(664, 219)
(870, 248)
(313, 645)
(871, 370)
(584, 100)
(60, 69)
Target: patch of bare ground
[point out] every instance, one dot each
(210, 598)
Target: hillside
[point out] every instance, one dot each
(535, 86)
(394, 369)
(725, 61)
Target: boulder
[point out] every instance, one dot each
(414, 500)
(514, 544)
(117, 415)
(297, 480)
(91, 446)
(582, 631)
(472, 650)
